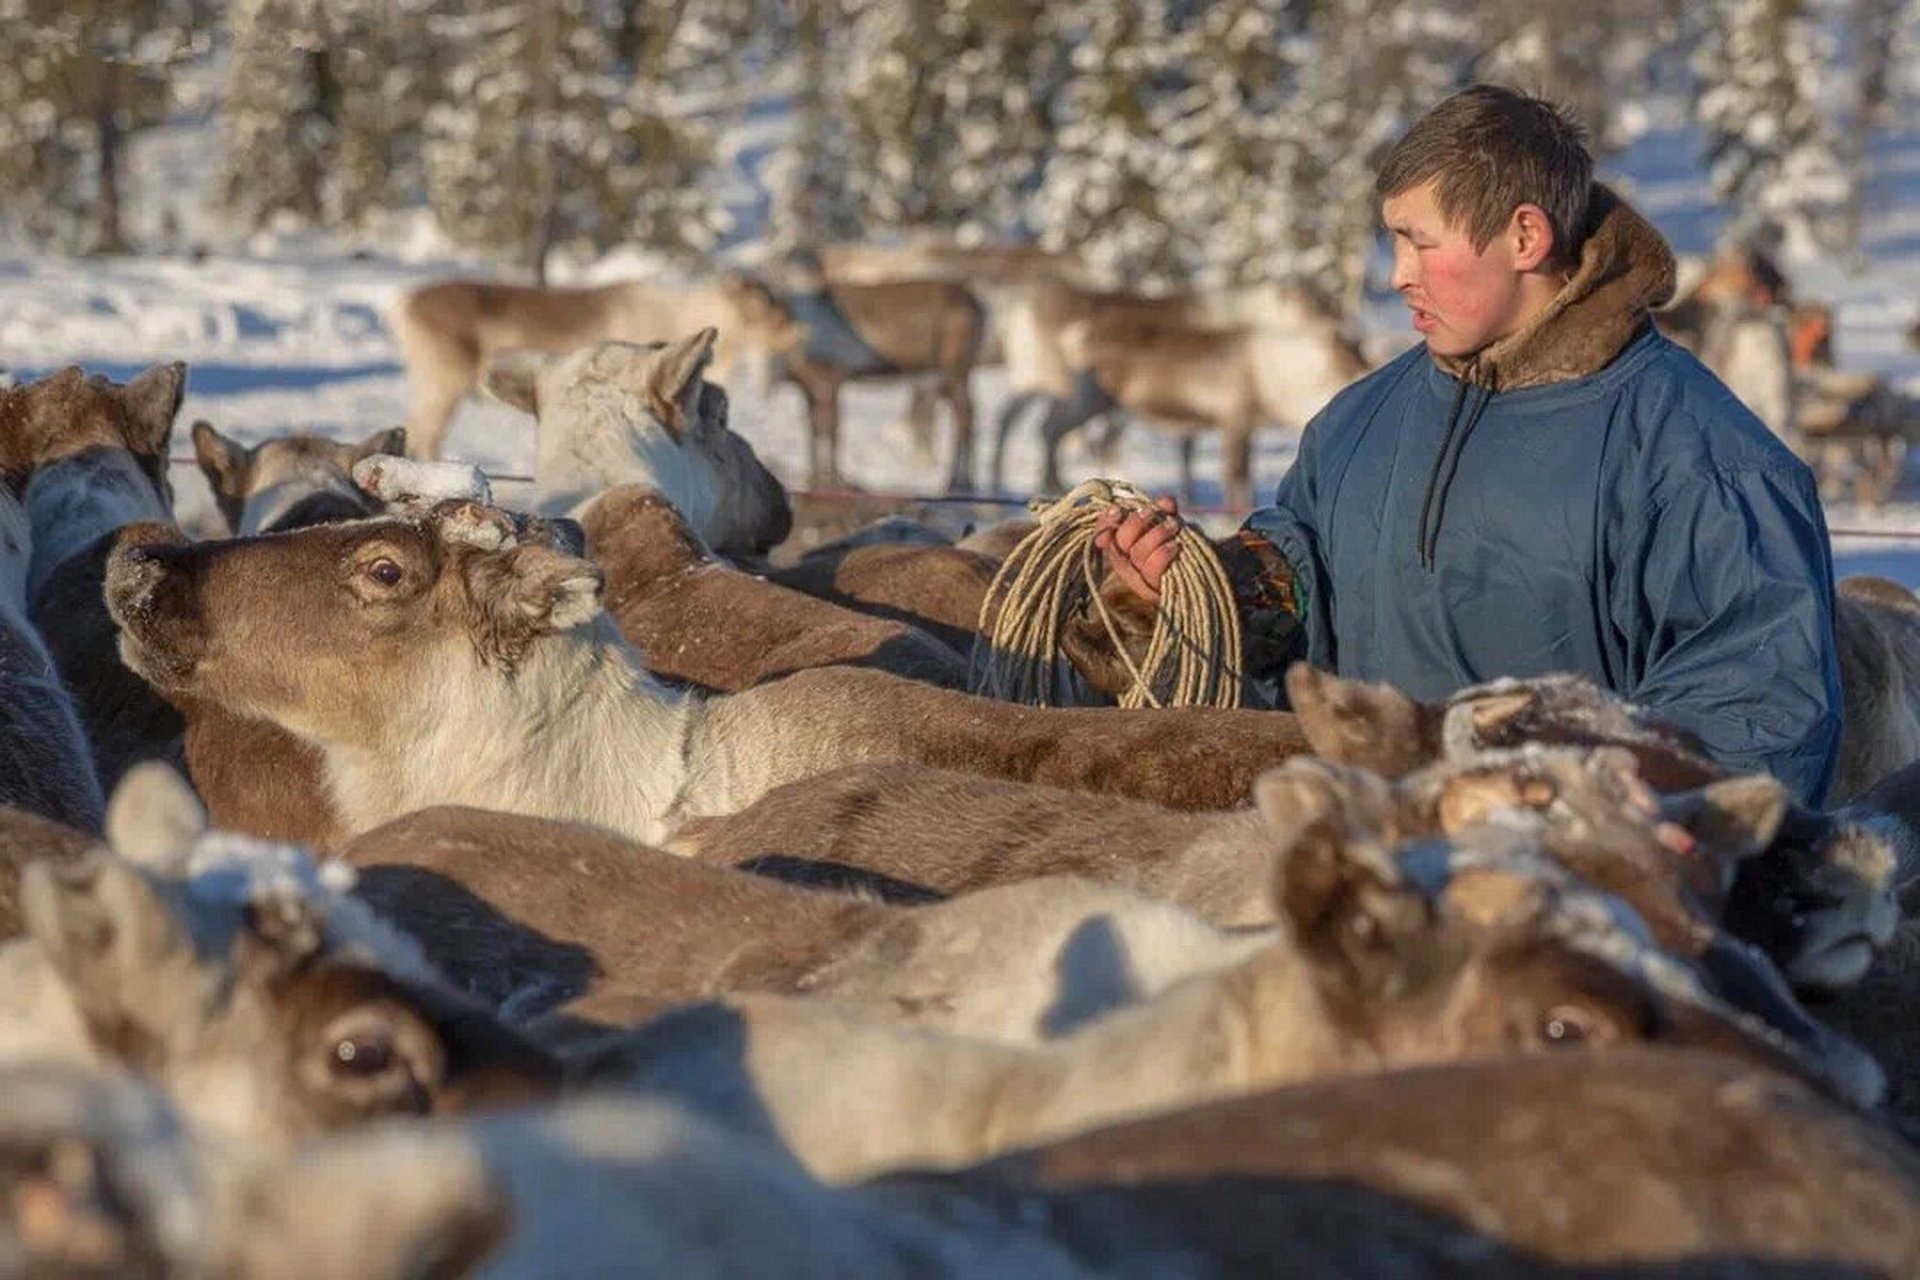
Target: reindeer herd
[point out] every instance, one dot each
(416, 886)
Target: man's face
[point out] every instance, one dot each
(1463, 299)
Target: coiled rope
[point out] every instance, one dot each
(1196, 628)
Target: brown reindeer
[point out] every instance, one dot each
(269, 1005)
(448, 330)
(935, 588)
(287, 482)
(89, 459)
(1639, 1162)
(528, 914)
(1378, 967)
(698, 620)
(1049, 362)
(430, 669)
(823, 336)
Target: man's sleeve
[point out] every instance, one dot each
(1725, 597)
(1291, 524)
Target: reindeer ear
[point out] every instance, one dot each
(153, 397)
(1371, 725)
(110, 935)
(512, 376)
(154, 818)
(1729, 821)
(224, 462)
(1306, 788)
(392, 443)
(533, 590)
(1360, 925)
(673, 379)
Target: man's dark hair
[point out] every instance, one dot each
(1494, 149)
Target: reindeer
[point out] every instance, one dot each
(433, 666)
(46, 766)
(1830, 876)
(1473, 948)
(450, 329)
(821, 337)
(286, 482)
(938, 589)
(700, 621)
(528, 914)
(1049, 365)
(618, 413)
(89, 459)
(186, 956)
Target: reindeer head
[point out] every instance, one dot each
(643, 412)
(70, 414)
(1480, 943)
(334, 631)
(288, 482)
(266, 1001)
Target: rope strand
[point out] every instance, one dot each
(1194, 652)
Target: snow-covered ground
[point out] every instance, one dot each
(288, 333)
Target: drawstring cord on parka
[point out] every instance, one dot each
(1446, 463)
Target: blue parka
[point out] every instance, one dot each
(1585, 497)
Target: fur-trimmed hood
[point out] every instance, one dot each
(1626, 270)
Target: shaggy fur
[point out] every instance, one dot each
(458, 664)
(288, 482)
(618, 412)
(699, 621)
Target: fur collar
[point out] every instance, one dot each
(1626, 270)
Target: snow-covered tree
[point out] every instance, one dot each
(324, 106)
(584, 122)
(1771, 151)
(79, 78)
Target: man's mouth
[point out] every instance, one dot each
(1424, 321)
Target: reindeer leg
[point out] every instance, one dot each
(920, 418)
(430, 415)
(1236, 450)
(960, 401)
(1106, 450)
(1188, 443)
(821, 410)
(1065, 417)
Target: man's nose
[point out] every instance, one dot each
(1405, 268)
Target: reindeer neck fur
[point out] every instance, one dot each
(1225, 872)
(602, 436)
(75, 501)
(578, 730)
(268, 503)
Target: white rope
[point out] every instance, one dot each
(1196, 628)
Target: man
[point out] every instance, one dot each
(1548, 483)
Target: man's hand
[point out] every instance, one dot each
(1140, 546)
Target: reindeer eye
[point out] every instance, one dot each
(385, 572)
(363, 1055)
(1566, 1025)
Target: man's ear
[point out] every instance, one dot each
(1533, 240)
(512, 377)
(222, 461)
(1374, 726)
